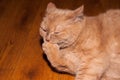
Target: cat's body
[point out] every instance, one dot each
(88, 47)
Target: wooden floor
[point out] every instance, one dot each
(21, 56)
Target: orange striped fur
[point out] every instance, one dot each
(88, 47)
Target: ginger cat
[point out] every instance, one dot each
(88, 47)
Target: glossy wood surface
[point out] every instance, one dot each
(21, 56)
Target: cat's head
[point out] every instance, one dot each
(62, 26)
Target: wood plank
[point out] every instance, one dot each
(21, 56)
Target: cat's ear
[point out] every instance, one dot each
(79, 10)
(50, 7)
(78, 13)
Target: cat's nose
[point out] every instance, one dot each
(48, 38)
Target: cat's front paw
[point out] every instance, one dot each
(50, 48)
(52, 52)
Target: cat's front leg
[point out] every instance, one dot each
(93, 70)
(54, 56)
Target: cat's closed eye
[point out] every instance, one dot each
(43, 29)
(56, 33)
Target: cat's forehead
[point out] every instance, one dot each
(56, 17)
(58, 14)
(61, 12)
